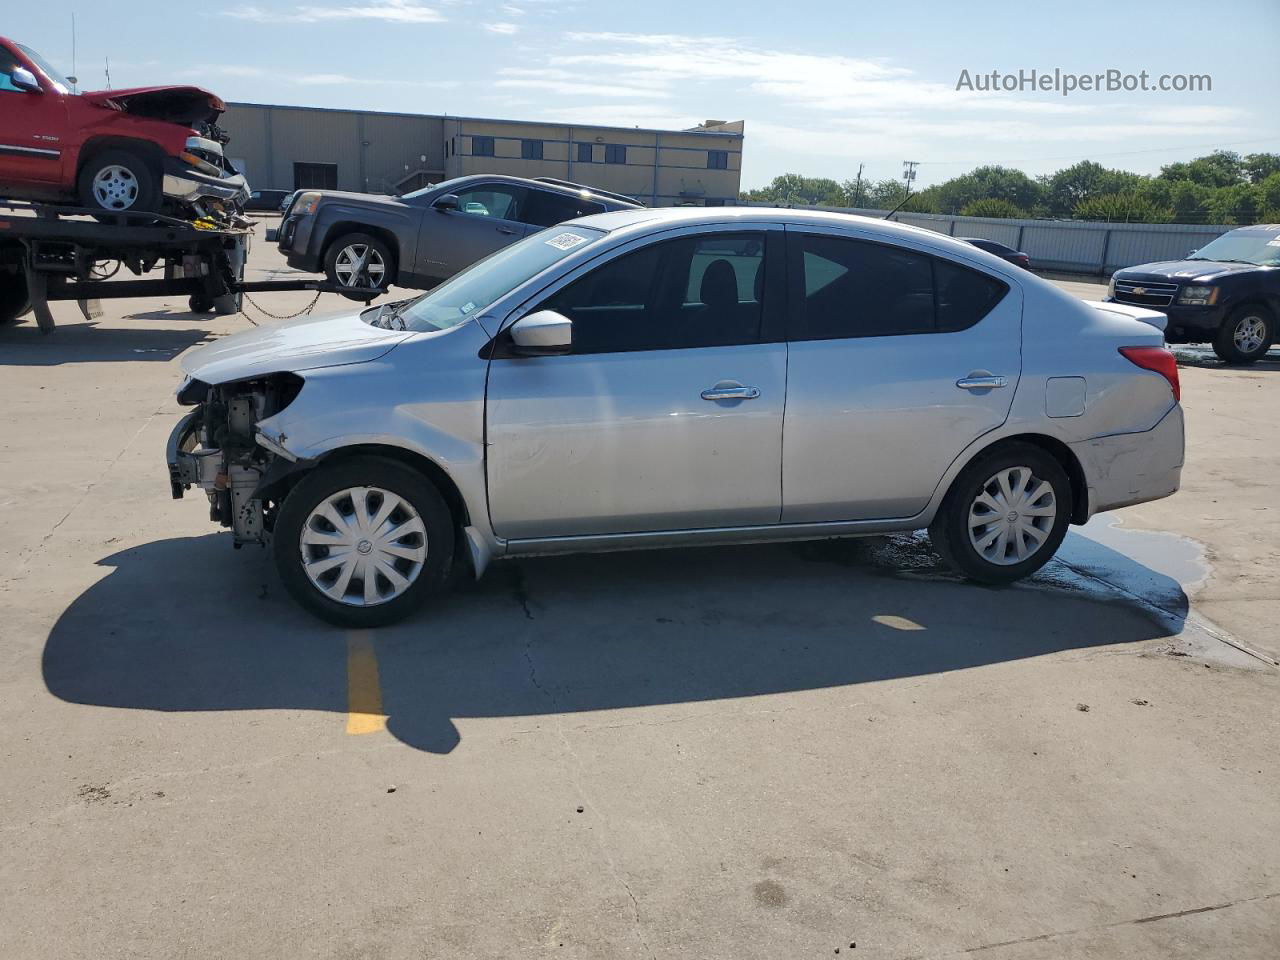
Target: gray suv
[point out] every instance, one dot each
(423, 238)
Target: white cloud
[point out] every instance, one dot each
(395, 11)
(503, 28)
(568, 83)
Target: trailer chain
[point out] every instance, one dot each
(276, 316)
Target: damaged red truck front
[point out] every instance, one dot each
(146, 149)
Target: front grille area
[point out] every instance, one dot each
(1145, 293)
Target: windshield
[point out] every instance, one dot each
(481, 284)
(1243, 246)
(61, 82)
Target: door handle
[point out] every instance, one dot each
(507, 230)
(730, 391)
(987, 382)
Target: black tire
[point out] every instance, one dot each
(949, 531)
(14, 301)
(137, 187)
(377, 248)
(199, 303)
(226, 304)
(1240, 324)
(367, 471)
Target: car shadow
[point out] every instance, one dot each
(188, 624)
(23, 345)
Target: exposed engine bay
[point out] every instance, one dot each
(219, 448)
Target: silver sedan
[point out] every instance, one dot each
(661, 378)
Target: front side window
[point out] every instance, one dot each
(492, 200)
(8, 63)
(546, 209)
(846, 288)
(482, 146)
(531, 149)
(61, 83)
(700, 291)
(615, 153)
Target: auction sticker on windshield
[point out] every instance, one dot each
(566, 241)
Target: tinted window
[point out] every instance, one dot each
(545, 209)
(615, 153)
(692, 292)
(7, 64)
(964, 296)
(482, 146)
(584, 153)
(531, 149)
(853, 288)
(492, 200)
(717, 160)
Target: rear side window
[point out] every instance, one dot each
(702, 291)
(545, 209)
(844, 288)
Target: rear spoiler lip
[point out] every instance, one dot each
(1153, 317)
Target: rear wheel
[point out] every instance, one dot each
(359, 260)
(363, 542)
(119, 181)
(1005, 515)
(1246, 335)
(15, 300)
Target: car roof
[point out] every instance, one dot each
(646, 218)
(549, 187)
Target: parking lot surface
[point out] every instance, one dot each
(772, 751)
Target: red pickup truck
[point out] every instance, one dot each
(146, 149)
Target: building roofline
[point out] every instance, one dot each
(449, 116)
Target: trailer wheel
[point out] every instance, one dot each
(226, 304)
(119, 181)
(199, 303)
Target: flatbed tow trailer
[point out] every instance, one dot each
(51, 253)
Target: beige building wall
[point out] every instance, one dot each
(385, 153)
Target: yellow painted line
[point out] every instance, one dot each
(897, 623)
(364, 693)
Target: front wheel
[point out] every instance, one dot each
(363, 542)
(119, 181)
(358, 260)
(1245, 336)
(1005, 514)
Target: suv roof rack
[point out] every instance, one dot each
(596, 190)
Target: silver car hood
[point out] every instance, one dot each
(307, 344)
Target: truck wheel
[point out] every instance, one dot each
(119, 181)
(358, 260)
(1005, 514)
(15, 302)
(363, 542)
(199, 303)
(1246, 335)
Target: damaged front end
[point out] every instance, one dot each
(220, 448)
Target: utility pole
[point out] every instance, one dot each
(909, 175)
(857, 193)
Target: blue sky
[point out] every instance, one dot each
(822, 86)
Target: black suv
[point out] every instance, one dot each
(423, 238)
(1226, 293)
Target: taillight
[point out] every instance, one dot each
(1158, 360)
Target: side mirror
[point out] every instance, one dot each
(542, 333)
(24, 79)
(447, 202)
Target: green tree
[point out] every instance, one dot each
(992, 207)
(1222, 168)
(1120, 208)
(1067, 188)
(796, 189)
(1259, 166)
(994, 182)
(1242, 203)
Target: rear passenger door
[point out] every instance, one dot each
(888, 351)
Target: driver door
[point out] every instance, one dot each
(487, 219)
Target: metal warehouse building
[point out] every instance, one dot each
(287, 148)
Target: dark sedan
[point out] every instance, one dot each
(1016, 257)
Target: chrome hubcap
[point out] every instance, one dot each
(1012, 515)
(363, 546)
(115, 187)
(1249, 334)
(359, 265)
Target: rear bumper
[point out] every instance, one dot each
(1130, 468)
(186, 184)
